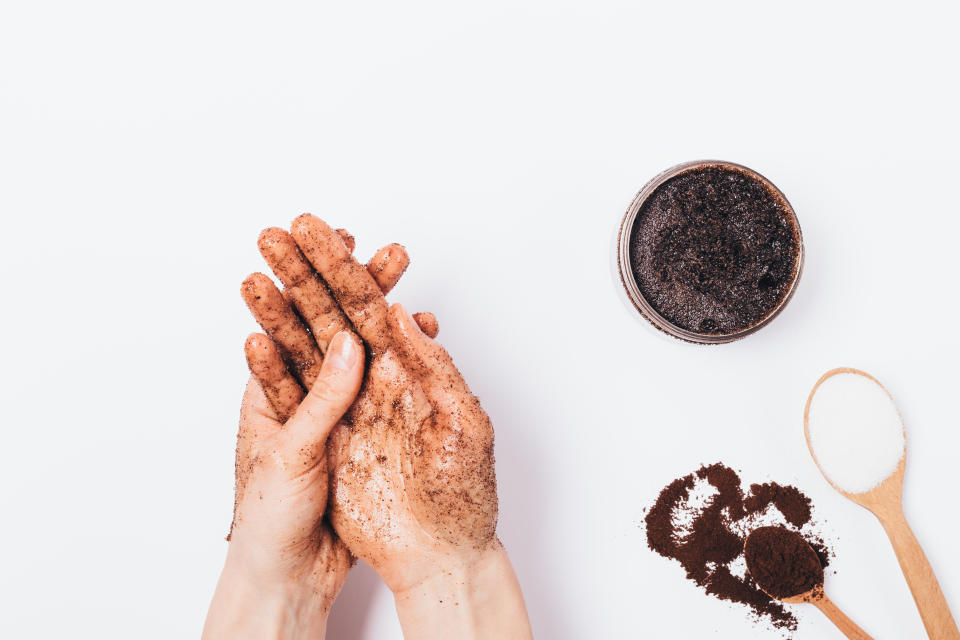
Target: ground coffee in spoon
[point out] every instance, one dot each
(702, 520)
(781, 562)
(715, 249)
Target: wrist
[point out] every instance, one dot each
(244, 607)
(477, 597)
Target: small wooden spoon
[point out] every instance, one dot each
(815, 595)
(886, 503)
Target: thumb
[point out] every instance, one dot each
(330, 396)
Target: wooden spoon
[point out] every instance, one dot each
(815, 595)
(886, 503)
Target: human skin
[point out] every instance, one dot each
(306, 296)
(284, 565)
(412, 479)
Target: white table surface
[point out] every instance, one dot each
(142, 149)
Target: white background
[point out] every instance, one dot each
(142, 148)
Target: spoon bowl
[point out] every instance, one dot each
(890, 489)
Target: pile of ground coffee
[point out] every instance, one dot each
(702, 520)
(714, 249)
(781, 562)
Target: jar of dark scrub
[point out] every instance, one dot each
(709, 251)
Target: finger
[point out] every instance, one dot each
(286, 296)
(426, 358)
(282, 390)
(348, 239)
(351, 284)
(277, 318)
(293, 307)
(308, 292)
(330, 396)
(427, 323)
(387, 265)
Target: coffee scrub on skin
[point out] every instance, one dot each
(709, 251)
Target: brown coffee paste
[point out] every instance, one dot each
(706, 538)
(781, 562)
(714, 249)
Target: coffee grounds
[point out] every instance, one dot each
(706, 534)
(794, 506)
(781, 562)
(714, 249)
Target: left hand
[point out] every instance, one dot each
(285, 565)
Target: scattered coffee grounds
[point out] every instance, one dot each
(715, 249)
(781, 562)
(702, 520)
(794, 506)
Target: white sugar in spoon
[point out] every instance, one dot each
(856, 437)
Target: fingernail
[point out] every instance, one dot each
(343, 353)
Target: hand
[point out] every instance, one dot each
(303, 347)
(285, 565)
(412, 462)
(413, 486)
(303, 318)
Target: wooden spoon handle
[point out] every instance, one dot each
(839, 618)
(920, 577)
